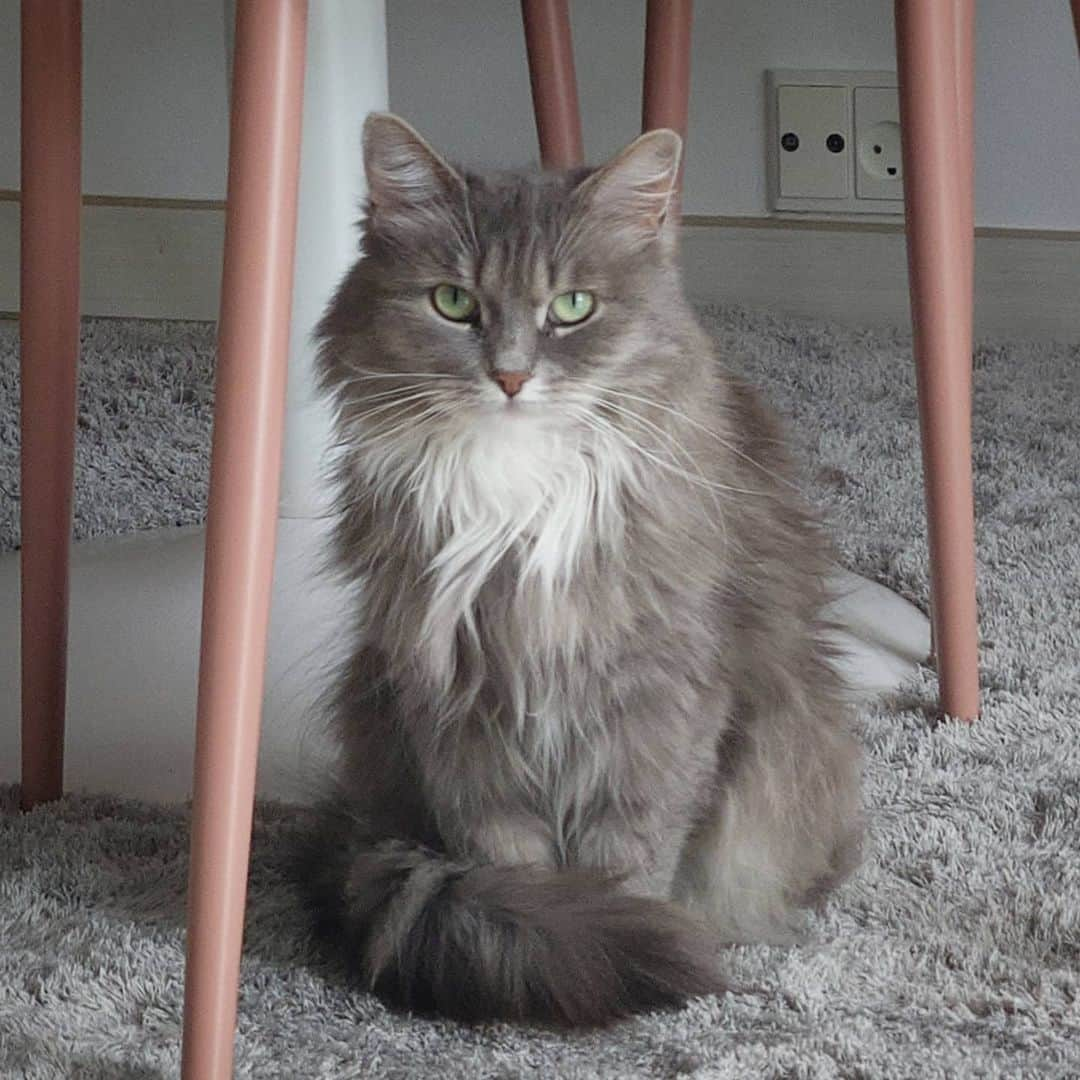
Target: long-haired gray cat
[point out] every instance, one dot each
(590, 729)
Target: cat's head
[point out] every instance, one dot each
(514, 293)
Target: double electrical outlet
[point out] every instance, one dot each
(834, 142)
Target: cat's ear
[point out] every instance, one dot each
(636, 190)
(403, 172)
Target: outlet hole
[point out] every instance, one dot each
(835, 143)
(789, 141)
(878, 152)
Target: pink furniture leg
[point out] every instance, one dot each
(964, 68)
(554, 85)
(665, 99)
(934, 54)
(264, 157)
(49, 353)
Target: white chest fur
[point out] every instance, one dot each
(509, 484)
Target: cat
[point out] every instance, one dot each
(590, 730)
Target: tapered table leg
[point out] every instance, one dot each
(934, 54)
(49, 353)
(665, 98)
(253, 334)
(554, 84)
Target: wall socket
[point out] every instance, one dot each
(834, 142)
(879, 169)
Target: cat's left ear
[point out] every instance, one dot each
(635, 191)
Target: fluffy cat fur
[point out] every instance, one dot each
(589, 727)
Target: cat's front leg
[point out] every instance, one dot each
(497, 834)
(480, 816)
(639, 847)
(635, 819)
(510, 838)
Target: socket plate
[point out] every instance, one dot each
(813, 171)
(861, 194)
(879, 172)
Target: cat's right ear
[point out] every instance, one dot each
(403, 172)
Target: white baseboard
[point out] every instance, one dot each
(162, 259)
(148, 259)
(1026, 283)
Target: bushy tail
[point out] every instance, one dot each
(484, 942)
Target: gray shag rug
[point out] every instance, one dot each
(954, 953)
(143, 437)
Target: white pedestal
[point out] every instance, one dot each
(133, 664)
(344, 81)
(883, 637)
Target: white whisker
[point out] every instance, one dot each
(398, 392)
(637, 418)
(414, 423)
(357, 373)
(701, 427)
(697, 481)
(398, 401)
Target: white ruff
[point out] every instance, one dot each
(489, 484)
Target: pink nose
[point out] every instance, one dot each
(512, 381)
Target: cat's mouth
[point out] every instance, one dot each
(527, 401)
(515, 412)
(537, 413)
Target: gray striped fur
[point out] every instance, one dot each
(589, 727)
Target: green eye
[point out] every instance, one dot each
(453, 302)
(572, 307)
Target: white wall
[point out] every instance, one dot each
(460, 76)
(156, 120)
